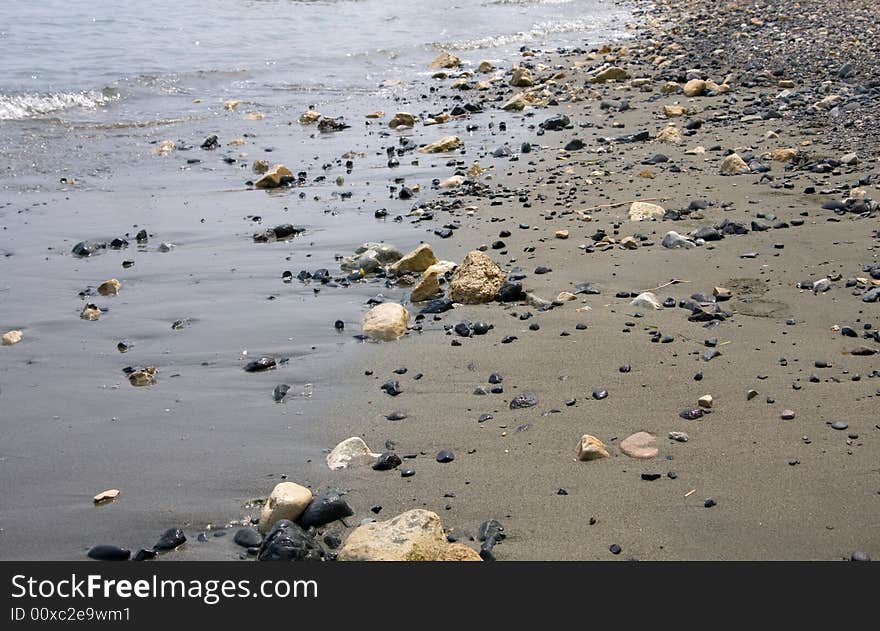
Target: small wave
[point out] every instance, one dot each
(529, 2)
(536, 33)
(20, 106)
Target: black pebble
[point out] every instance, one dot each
(105, 552)
(445, 456)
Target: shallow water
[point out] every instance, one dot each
(84, 95)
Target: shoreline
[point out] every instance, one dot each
(513, 466)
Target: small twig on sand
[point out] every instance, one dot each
(674, 281)
(616, 204)
(691, 492)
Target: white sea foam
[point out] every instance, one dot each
(537, 32)
(24, 105)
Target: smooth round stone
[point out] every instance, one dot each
(248, 538)
(614, 548)
(858, 555)
(445, 456)
(202, 537)
(407, 473)
(786, 415)
(709, 503)
(170, 539)
(495, 378)
(625, 368)
(839, 425)
(691, 414)
(339, 325)
(600, 393)
(639, 445)
(523, 401)
(481, 328)
(387, 461)
(396, 416)
(105, 552)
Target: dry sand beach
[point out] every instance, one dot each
(749, 274)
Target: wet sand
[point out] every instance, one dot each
(193, 449)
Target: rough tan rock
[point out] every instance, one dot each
(734, 165)
(639, 211)
(144, 377)
(287, 501)
(639, 445)
(260, 166)
(516, 103)
(402, 119)
(165, 147)
(485, 67)
(591, 448)
(11, 337)
(783, 155)
(351, 451)
(610, 74)
(310, 117)
(376, 114)
(90, 312)
(429, 285)
(673, 111)
(522, 78)
(669, 134)
(106, 496)
(630, 243)
(109, 287)
(694, 87)
(565, 296)
(231, 104)
(561, 234)
(460, 552)
(452, 182)
(386, 322)
(476, 280)
(446, 60)
(416, 535)
(670, 87)
(272, 177)
(706, 401)
(418, 260)
(447, 143)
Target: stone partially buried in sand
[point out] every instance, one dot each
(591, 448)
(734, 165)
(639, 445)
(639, 211)
(90, 312)
(416, 535)
(11, 337)
(109, 287)
(350, 452)
(447, 143)
(106, 496)
(386, 322)
(402, 119)
(274, 177)
(288, 500)
(610, 74)
(477, 280)
(446, 60)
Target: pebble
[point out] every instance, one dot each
(388, 460)
(445, 456)
(247, 538)
(523, 401)
(106, 552)
(839, 425)
(170, 539)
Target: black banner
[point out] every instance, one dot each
(365, 594)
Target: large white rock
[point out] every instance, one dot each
(11, 337)
(416, 535)
(639, 211)
(349, 452)
(386, 322)
(287, 501)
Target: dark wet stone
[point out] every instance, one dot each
(332, 540)
(575, 145)
(511, 292)
(210, 143)
(600, 393)
(495, 378)
(391, 388)
(327, 506)
(614, 548)
(437, 306)
(407, 473)
(386, 461)
(839, 425)
(556, 123)
(170, 539)
(848, 332)
(261, 364)
(650, 477)
(709, 503)
(202, 537)
(463, 329)
(586, 288)
(523, 401)
(89, 248)
(395, 416)
(507, 339)
(691, 414)
(141, 236)
(106, 552)
(280, 392)
(445, 456)
(860, 556)
(710, 354)
(542, 270)
(822, 364)
(124, 346)
(144, 555)
(286, 541)
(481, 328)
(248, 538)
